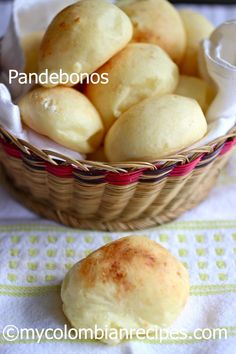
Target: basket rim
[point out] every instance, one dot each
(55, 158)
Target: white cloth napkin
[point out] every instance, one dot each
(218, 64)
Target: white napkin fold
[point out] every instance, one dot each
(217, 63)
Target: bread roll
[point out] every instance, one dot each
(98, 155)
(129, 283)
(196, 88)
(157, 22)
(30, 45)
(155, 128)
(139, 71)
(197, 28)
(64, 115)
(83, 37)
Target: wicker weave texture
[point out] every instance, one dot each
(129, 197)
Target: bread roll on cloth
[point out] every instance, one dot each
(196, 88)
(129, 283)
(197, 28)
(64, 115)
(139, 71)
(83, 37)
(155, 128)
(157, 22)
(31, 44)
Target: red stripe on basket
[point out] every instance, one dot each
(59, 171)
(183, 170)
(122, 179)
(11, 150)
(228, 146)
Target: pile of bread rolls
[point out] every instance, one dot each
(154, 102)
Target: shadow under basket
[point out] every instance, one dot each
(110, 197)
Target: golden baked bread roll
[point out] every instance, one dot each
(157, 22)
(196, 88)
(30, 45)
(155, 128)
(139, 71)
(65, 116)
(83, 37)
(197, 28)
(129, 283)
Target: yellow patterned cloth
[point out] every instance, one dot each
(35, 256)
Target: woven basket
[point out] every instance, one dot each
(102, 196)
